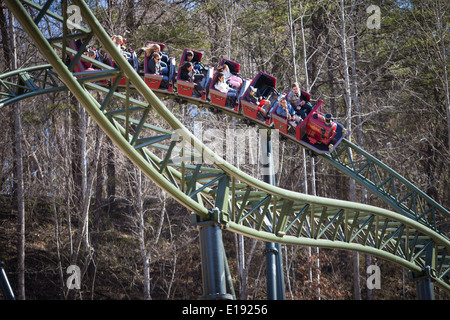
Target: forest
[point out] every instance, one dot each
(381, 68)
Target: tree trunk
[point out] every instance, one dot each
(444, 56)
(84, 221)
(111, 175)
(86, 187)
(358, 129)
(98, 205)
(348, 101)
(293, 39)
(56, 221)
(313, 164)
(68, 175)
(11, 54)
(20, 201)
(242, 271)
(141, 234)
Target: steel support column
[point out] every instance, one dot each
(271, 270)
(425, 286)
(274, 264)
(213, 261)
(425, 289)
(281, 293)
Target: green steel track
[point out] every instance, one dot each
(412, 235)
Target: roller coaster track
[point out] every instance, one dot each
(413, 235)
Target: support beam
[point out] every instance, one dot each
(214, 264)
(271, 254)
(425, 286)
(274, 264)
(425, 289)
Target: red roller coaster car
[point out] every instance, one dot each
(152, 80)
(265, 88)
(186, 88)
(317, 131)
(218, 98)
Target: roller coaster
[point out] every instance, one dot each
(413, 234)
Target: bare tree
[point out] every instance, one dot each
(56, 222)
(348, 102)
(141, 235)
(443, 57)
(9, 48)
(88, 173)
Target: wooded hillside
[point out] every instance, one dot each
(68, 196)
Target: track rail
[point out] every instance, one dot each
(214, 189)
(403, 196)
